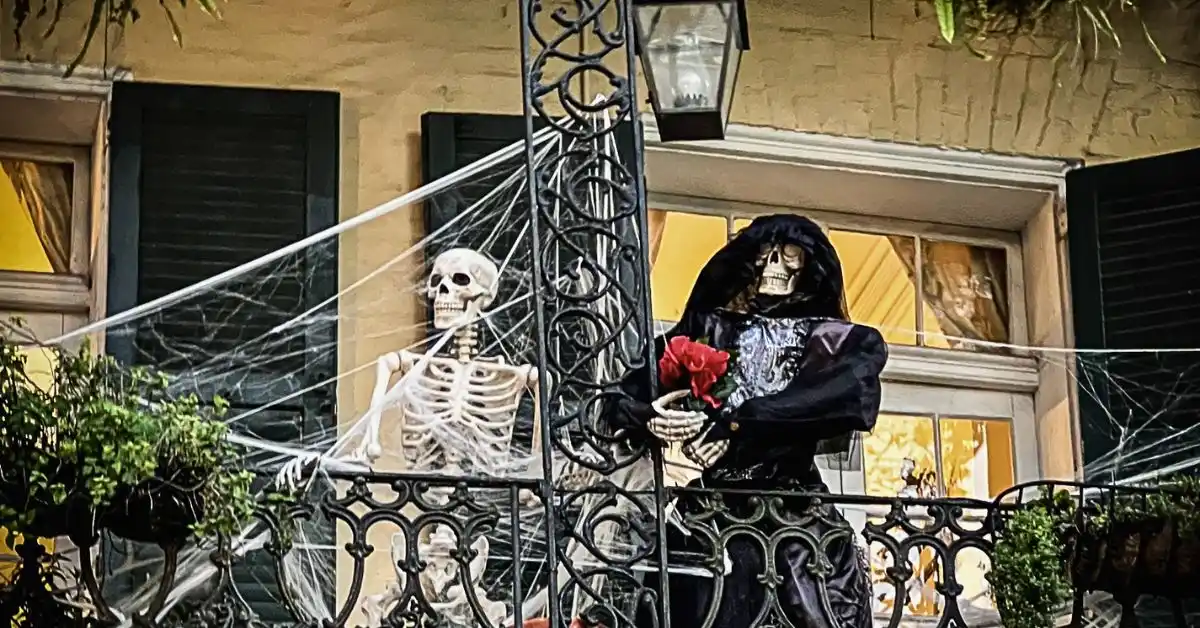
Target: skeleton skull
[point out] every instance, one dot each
(461, 285)
(779, 266)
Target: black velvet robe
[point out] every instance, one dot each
(807, 381)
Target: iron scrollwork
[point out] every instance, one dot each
(593, 309)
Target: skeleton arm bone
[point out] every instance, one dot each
(387, 365)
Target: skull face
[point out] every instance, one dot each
(779, 268)
(461, 285)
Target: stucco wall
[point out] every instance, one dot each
(814, 66)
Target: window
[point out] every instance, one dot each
(938, 442)
(965, 286)
(930, 440)
(44, 224)
(45, 199)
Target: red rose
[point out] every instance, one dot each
(706, 365)
(671, 372)
(694, 364)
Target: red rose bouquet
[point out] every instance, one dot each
(695, 374)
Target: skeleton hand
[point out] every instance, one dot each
(367, 452)
(705, 454)
(675, 426)
(295, 471)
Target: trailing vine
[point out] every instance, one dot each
(102, 14)
(971, 22)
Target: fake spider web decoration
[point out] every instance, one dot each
(292, 341)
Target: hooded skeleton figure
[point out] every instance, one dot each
(807, 381)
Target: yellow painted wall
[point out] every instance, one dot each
(818, 66)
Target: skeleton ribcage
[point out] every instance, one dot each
(459, 417)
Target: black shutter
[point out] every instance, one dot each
(1134, 238)
(203, 180)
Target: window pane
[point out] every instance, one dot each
(879, 286)
(685, 243)
(965, 294)
(977, 457)
(899, 457)
(741, 223)
(35, 216)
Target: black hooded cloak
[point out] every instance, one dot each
(808, 381)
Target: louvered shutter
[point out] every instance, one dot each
(204, 179)
(1134, 242)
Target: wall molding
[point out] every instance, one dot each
(961, 369)
(44, 292)
(47, 78)
(866, 155)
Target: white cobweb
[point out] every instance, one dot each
(292, 340)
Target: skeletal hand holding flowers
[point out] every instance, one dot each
(696, 376)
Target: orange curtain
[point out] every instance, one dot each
(45, 192)
(964, 286)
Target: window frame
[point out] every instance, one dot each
(62, 293)
(944, 380)
(913, 364)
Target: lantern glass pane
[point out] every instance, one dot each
(684, 48)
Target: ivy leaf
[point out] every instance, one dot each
(945, 15)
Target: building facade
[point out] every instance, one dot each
(941, 177)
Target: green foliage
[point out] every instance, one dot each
(100, 428)
(1028, 575)
(971, 22)
(102, 14)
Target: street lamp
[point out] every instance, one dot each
(690, 52)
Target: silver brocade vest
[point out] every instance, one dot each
(767, 355)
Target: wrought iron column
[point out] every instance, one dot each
(580, 42)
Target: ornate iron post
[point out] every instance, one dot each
(590, 42)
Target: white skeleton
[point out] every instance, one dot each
(457, 413)
(780, 266)
(441, 582)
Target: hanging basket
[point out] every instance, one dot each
(156, 511)
(72, 518)
(1129, 558)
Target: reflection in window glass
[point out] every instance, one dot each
(900, 457)
(879, 288)
(977, 457)
(967, 458)
(921, 597)
(35, 216)
(965, 290)
(685, 242)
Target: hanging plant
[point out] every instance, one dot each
(46, 15)
(1029, 578)
(1142, 542)
(1123, 541)
(971, 22)
(105, 446)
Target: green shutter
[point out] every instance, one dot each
(1134, 241)
(204, 179)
